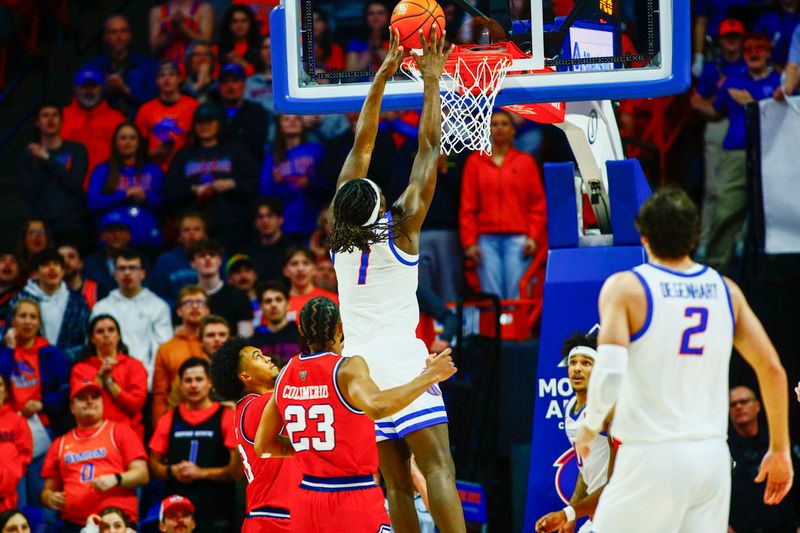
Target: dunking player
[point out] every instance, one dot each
(667, 328)
(580, 351)
(375, 254)
(243, 374)
(324, 400)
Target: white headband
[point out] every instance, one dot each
(584, 351)
(375, 210)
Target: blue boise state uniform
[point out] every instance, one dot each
(736, 139)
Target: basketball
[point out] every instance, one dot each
(410, 16)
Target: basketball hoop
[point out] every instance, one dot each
(470, 80)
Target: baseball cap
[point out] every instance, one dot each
(84, 385)
(232, 69)
(89, 75)
(207, 112)
(729, 26)
(174, 502)
(238, 260)
(114, 220)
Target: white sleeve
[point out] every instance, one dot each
(604, 384)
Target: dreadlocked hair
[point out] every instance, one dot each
(318, 321)
(225, 370)
(352, 206)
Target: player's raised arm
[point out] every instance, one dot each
(752, 342)
(268, 443)
(357, 162)
(360, 391)
(417, 197)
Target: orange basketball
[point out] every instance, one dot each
(410, 16)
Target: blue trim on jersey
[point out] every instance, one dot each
(730, 302)
(410, 416)
(424, 424)
(307, 356)
(333, 258)
(391, 244)
(678, 272)
(338, 392)
(362, 270)
(337, 484)
(241, 421)
(649, 317)
(269, 512)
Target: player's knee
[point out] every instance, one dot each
(437, 464)
(399, 483)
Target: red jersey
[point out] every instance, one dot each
(26, 381)
(14, 431)
(330, 437)
(80, 456)
(269, 481)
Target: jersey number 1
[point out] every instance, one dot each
(686, 340)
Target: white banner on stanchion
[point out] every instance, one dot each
(780, 179)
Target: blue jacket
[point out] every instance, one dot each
(141, 218)
(54, 371)
(173, 272)
(139, 74)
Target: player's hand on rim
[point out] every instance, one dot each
(440, 365)
(776, 469)
(434, 56)
(394, 55)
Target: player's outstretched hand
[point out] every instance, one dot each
(393, 56)
(776, 469)
(583, 440)
(434, 56)
(441, 365)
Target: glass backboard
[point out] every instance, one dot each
(579, 50)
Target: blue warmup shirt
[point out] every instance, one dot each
(778, 26)
(736, 139)
(714, 75)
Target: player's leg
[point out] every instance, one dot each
(646, 492)
(395, 463)
(431, 449)
(710, 505)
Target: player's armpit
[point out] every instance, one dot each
(267, 442)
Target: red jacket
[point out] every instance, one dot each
(131, 377)
(16, 450)
(504, 199)
(94, 128)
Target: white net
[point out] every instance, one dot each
(469, 87)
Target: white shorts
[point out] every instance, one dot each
(586, 527)
(393, 362)
(670, 487)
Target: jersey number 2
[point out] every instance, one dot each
(686, 340)
(297, 422)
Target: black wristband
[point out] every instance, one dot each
(169, 471)
(119, 479)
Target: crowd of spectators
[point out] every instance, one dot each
(173, 207)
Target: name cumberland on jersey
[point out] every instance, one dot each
(310, 392)
(684, 289)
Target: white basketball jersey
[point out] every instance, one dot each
(593, 469)
(676, 386)
(377, 292)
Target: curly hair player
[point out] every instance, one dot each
(243, 374)
(375, 254)
(666, 332)
(324, 400)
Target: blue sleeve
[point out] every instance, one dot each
(794, 47)
(6, 364)
(707, 84)
(55, 399)
(266, 184)
(723, 101)
(141, 81)
(357, 46)
(97, 200)
(155, 196)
